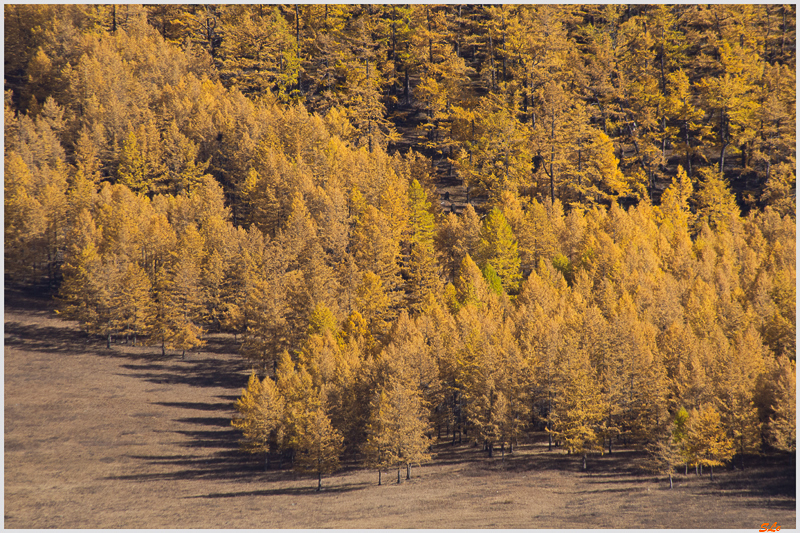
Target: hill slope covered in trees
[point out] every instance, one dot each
(626, 275)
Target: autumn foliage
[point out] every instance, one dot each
(626, 251)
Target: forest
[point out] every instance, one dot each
(426, 222)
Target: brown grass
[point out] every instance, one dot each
(124, 438)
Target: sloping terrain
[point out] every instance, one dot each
(125, 438)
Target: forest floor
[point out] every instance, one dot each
(126, 438)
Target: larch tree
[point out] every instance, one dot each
(707, 443)
(735, 382)
(499, 247)
(260, 417)
(319, 444)
(134, 302)
(578, 409)
(783, 423)
(421, 266)
(664, 454)
(378, 449)
(184, 296)
(397, 428)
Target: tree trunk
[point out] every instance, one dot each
(379, 477)
(584, 461)
(670, 480)
(394, 48)
(408, 470)
(688, 148)
(491, 58)
(319, 481)
(552, 158)
(398, 475)
(725, 142)
(503, 22)
(430, 41)
(406, 86)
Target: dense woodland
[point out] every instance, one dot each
(620, 273)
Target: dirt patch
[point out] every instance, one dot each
(125, 438)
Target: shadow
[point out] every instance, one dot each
(231, 398)
(221, 465)
(771, 476)
(200, 406)
(221, 373)
(297, 491)
(67, 341)
(217, 421)
(212, 444)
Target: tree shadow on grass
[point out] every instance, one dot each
(769, 476)
(199, 406)
(221, 465)
(331, 488)
(227, 374)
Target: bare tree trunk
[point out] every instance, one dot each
(379, 477)
(670, 480)
(319, 481)
(408, 470)
(491, 58)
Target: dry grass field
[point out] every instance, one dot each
(125, 438)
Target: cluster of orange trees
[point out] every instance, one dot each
(627, 279)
